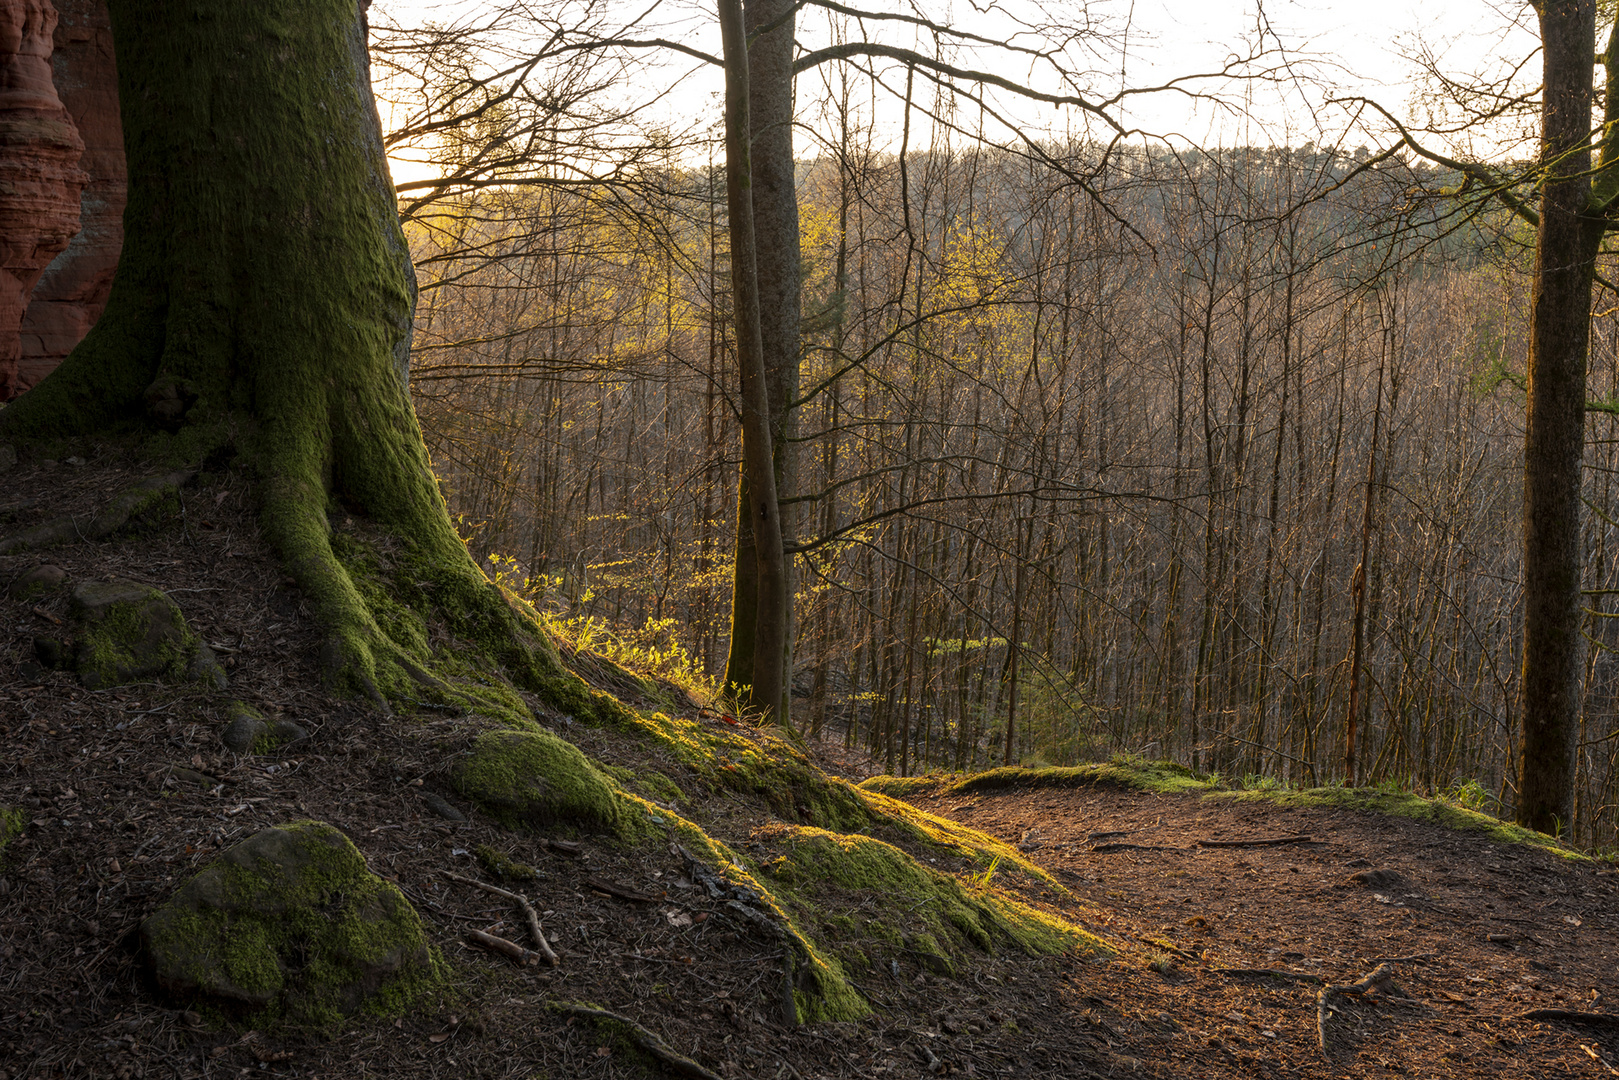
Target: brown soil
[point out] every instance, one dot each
(128, 791)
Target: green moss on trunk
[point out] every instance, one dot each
(265, 272)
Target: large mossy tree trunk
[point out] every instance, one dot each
(263, 304)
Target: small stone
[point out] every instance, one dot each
(204, 667)
(245, 729)
(1378, 879)
(284, 734)
(30, 673)
(41, 578)
(74, 460)
(439, 805)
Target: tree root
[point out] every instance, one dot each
(116, 514)
(1379, 977)
(645, 1040)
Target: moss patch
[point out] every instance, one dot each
(534, 779)
(11, 824)
(875, 902)
(1404, 804)
(500, 865)
(290, 926)
(1159, 777)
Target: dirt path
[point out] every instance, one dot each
(1477, 933)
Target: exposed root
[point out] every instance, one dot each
(68, 530)
(1379, 977)
(645, 1040)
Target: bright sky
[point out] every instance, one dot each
(1348, 47)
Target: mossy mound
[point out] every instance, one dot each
(129, 631)
(874, 903)
(1159, 777)
(754, 762)
(902, 822)
(1404, 804)
(290, 926)
(535, 779)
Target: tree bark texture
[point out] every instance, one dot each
(773, 198)
(263, 306)
(767, 687)
(1565, 256)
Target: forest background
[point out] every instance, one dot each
(1101, 444)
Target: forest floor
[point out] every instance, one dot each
(128, 791)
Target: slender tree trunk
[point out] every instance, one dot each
(761, 508)
(766, 73)
(1554, 439)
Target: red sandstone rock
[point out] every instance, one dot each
(73, 290)
(40, 178)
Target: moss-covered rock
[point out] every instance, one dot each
(248, 732)
(535, 779)
(290, 925)
(36, 582)
(128, 631)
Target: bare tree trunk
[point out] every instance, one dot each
(768, 684)
(1565, 255)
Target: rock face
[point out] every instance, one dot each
(73, 290)
(40, 178)
(291, 921)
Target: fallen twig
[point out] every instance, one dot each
(646, 1040)
(1101, 849)
(535, 930)
(504, 947)
(1269, 973)
(1268, 841)
(1380, 976)
(604, 886)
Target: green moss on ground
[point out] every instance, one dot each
(500, 865)
(902, 821)
(829, 880)
(11, 826)
(1438, 811)
(1159, 777)
(1165, 777)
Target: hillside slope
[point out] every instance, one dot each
(728, 902)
